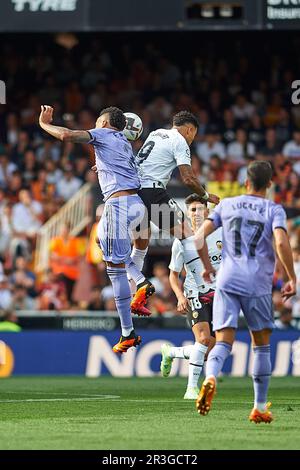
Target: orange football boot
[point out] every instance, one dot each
(142, 312)
(144, 290)
(127, 342)
(206, 394)
(257, 416)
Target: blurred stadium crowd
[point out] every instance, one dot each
(245, 112)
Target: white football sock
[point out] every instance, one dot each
(138, 257)
(196, 363)
(126, 331)
(262, 407)
(181, 352)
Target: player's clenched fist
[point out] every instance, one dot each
(183, 304)
(46, 115)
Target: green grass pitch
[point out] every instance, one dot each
(136, 413)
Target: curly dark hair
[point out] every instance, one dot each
(185, 117)
(194, 198)
(116, 117)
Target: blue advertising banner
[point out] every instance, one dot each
(90, 354)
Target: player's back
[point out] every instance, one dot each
(115, 161)
(163, 150)
(248, 256)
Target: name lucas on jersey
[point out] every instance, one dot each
(250, 206)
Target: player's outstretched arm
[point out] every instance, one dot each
(61, 133)
(203, 231)
(190, 180)
(182, 304)
(201, 234)
(284, 252)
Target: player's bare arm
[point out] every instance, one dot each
(182, 304)
(200, 235)
(61, 133)
(284, 252)
(203, 232)
(209, 270)
(191, 181)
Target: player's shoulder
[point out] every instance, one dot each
(96, 135)
(275, 207)
(238, 198)
(161, 133)
(274, 204)
(224, 202)
(177, 137)
(177, 245)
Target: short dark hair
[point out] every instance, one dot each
(185, 117)
(194, 198)
(259, 174)
(116, 117)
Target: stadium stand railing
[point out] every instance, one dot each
(77, 212)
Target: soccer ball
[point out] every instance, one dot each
(134, 126)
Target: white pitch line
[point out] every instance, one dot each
(55, 393)
(32, 400)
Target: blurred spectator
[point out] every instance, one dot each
(198, 169)
(22, 276)
(26, 221)
(6, 169)
(29, 167)
(21, 300)
(292, 148)
(65, 254)
(3, 201)
(9, 322)
(95, 303)
(5, 293)
(256, 133)
(49, 151)
(160, 111)
(22, 145)
(81, 165)
(164, 300)
(242, 109)
(160, 271)
(241, 148)
(216, 168)
(6, 229)
(15, 185)
(107, 297)
(41, 189)
(273, 111)
(211, 146)
(12, 129)
(285, 320)
(229, 127)
(54, 174)
(52, 293)
(73, 98)
(68, 185)
(94, 253)
(271, 147)
(283, 127)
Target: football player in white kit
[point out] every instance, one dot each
(194, 301)
(162, 152)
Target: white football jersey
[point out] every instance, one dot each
(163, 151)
(214, 245)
